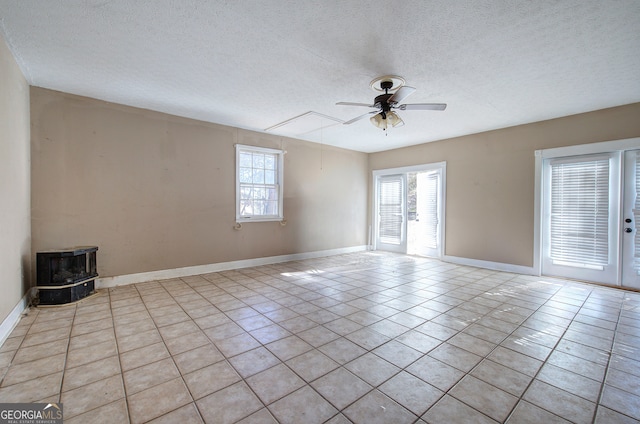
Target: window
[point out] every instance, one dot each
(258, 184)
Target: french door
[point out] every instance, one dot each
(631, 220)
(590, 203)
(409, 209)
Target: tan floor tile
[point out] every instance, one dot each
(559, 402)
(302, 406)
(178, 329)
(89, 339)
(419, 341)
(624, 380)
(11, 344)
(237, 344)
(115, 412)
(90, 372)
(577, 365)
(456, 357)
(134, 328)
(136, 341)
(32, 390)
(254, 361)
(274, 383)
(341, 387)
(45, 337)
(34, 369)
(150, 375)
(210, 379)
(92, 396)
(131, 318)
(40, 351)
(377, 408)
(186, 342)
(515, 360)
(372, 369)
(212, 320)
(605, 415)
(40, 325)
(621, 401)
(317, 336)
(158, 400)
(411, 392)
(186, 414)
(129, 309)
(263, 416)
(526, 413)
(449, 410)
(502, 377)
(143, 356)
(229, 405)
(342, 350)
(312, 365)
(174, 318)
(270, 333)
(80, 328)
(484, 397)
(197, 358)
(223, 331)
(289, 347)
(570, 382)
(435, 372)
(397, 353)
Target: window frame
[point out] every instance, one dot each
(279, 154)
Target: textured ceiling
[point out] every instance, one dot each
(255, 64)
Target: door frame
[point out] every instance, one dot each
(582, 149)
(442, 166)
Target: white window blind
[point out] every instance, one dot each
(258, 184)
(430, 212)
(579, 221)
(390, 209)
(636, 216)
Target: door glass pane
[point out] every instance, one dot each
(390, 209)
(636, 215)
(579, 220)
(428, 211)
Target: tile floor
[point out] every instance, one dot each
(364, 338)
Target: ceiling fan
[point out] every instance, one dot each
(385, 104)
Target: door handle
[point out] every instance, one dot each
(628, 230)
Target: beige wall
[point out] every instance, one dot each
(156, 192)
(15, 222)
(490, 179)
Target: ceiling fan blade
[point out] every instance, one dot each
(354, 104)
(357, 118)
(402, 93)
(423, 106)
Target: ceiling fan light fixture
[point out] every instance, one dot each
(378, 120)
(394, 119)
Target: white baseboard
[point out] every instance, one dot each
(164, 274)
(10, 322)
(496, 266)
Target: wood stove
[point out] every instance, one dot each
(66, 275)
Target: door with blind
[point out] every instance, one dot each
(391, 229)
(424, 232)
(631, 220)
(581, 217)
